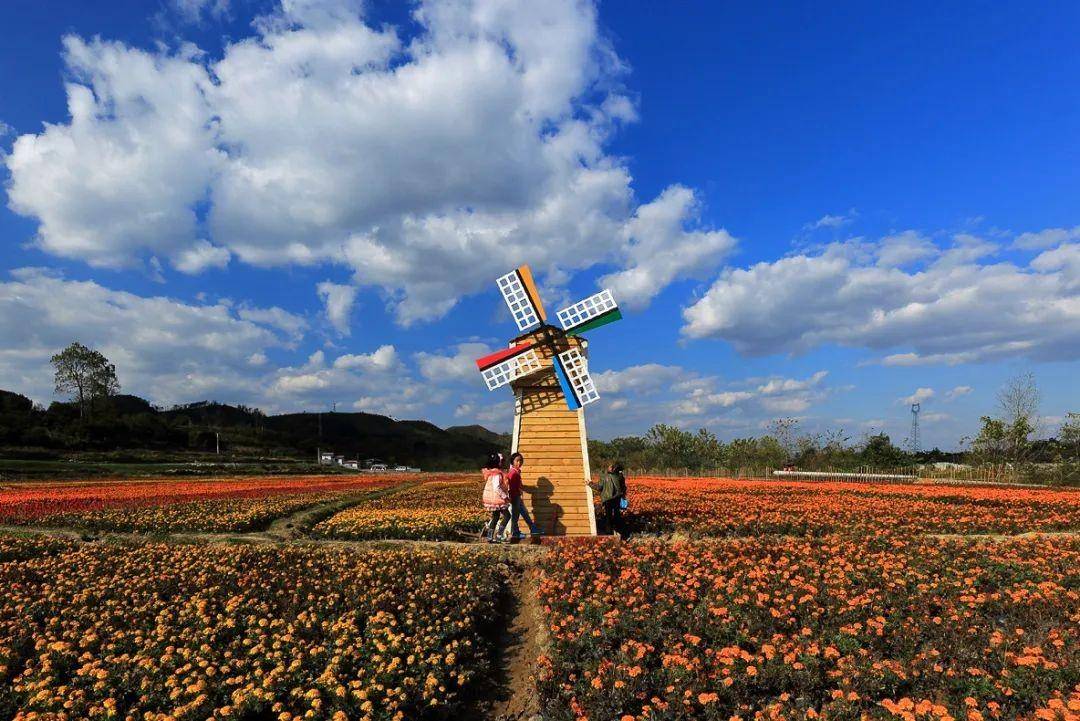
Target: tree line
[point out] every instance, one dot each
(96, 416)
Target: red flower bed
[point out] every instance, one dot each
(725, 507)
(796, 628)
(217, 504)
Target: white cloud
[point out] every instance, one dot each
(659, 249)
(338, 301)
(292, 325)
(126, 172)
(919, 396)
(458, 367)
(1046, 238)
(382, 359)
(164, 350)
(200, 256)
(375, 382)
(901, 249)
(636, 397)
(639, 379)
(832, 221)
(954, 309)
(934, 417)
(473, 146)
(197, 11)
(788, 385)
(958, 391)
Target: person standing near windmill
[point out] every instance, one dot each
(496, 498)
(612, 488)
(517, 504)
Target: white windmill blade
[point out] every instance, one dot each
(508, 365)
(593, 312)
(572, 371)
(519, 291)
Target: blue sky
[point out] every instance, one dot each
(805, 212)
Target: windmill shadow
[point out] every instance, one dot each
(533, 398)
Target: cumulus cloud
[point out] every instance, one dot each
(919, 396)
(1046, 238)
(338, 301)
(954, 308)
(459, 366)
(659, 249)
(124, 175)
(958, 391)
(375, 382)
(201, 256)
(901, 249)
(638, 396)
(198, 10)
(473, 145)
(165, 350)
(638, 379)
(290, 324)
(832, 221)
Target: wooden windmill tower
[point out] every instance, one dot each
(547, 368)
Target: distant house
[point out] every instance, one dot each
(352, 465)
(326, 458)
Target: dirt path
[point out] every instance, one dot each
(518, 642)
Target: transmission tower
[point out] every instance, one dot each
(915, 427)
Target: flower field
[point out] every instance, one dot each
(231, 504)
(784, 628)
(724, 507)
(157, 631)
(434, 510)
(737, 601)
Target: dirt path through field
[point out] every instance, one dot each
(519, 641)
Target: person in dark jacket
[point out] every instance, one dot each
(612, 488)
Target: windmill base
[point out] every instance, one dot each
(556, 473)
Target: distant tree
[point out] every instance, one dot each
(786, 432)
(85, 374)
(878, 451)
(1018, 401)
(1069, 437)
(673, 447)
(991, 445)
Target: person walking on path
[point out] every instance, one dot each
(612, 488)
(496, 498)
(517, 502)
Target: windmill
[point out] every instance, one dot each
(547, 368)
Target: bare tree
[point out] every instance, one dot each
(1019, 400)
(85, 374)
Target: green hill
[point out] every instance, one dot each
(129, 427)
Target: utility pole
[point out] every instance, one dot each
(915, 407)
(217, 443)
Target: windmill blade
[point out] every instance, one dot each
(593, 312)
(504, 366)
(522, 298)
(577, 385)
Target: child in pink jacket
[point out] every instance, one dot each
(496, 499)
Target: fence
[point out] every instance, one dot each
(989, 474)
